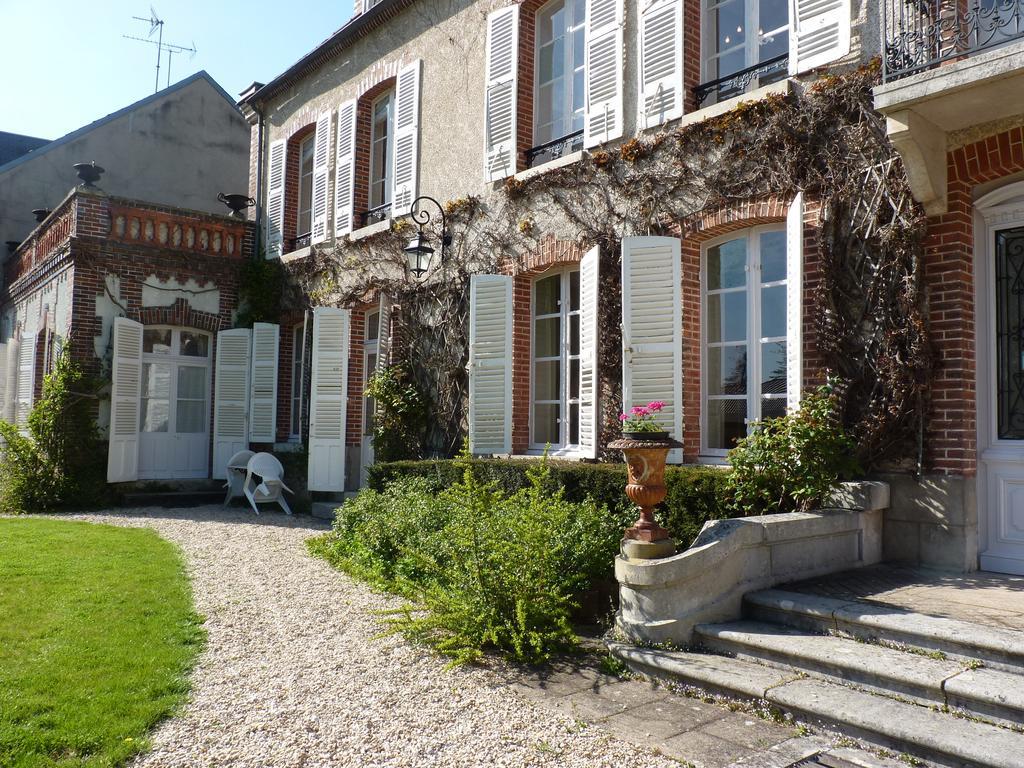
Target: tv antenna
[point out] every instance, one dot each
(156, 24)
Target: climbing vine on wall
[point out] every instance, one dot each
(824, 139)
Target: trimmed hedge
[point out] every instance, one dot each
(695, 494)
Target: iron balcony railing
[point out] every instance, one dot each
(372, 216)
(765, 72)
(553, 150)
(920, 34)
(300, 241)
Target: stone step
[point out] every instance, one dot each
(996, 647)
(898, 725)
(987, 693)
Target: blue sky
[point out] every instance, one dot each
(64, 63)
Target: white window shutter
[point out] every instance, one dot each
(26, 380)
(11, 382)
(652, 330)
(490, 364)
(3, 379)
(328, 399)
(589, 291)
(661, 62)
(384, 332)
(321, 153)
(794, 299)
(125, 396)
(602, 119)
(819, 33)
(500, 106)
(263, 383)
(275, 198)
(407, 139)
(231, 397)
(344, 169)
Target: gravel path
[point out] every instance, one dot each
(295, 675)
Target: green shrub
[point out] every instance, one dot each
(792, 462)
(61, 461)
(483, 567)
(400, 418)
(695, 494)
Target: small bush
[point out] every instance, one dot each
(695, 494)
(400, 419)
(61, 461)
(793, 462)
(483, 568)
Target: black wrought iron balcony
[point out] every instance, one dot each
(372, 216)
(553, 150)
(300, 241)
(921, 34)
(736, 83)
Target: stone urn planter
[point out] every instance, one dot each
(645, 487)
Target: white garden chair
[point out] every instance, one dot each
(271, 489)
(236, 471)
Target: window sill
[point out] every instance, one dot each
(370, 229)
(550, 165)
(781, 88)
(301, 253)
(714, 461)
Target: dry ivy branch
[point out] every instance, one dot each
(825, 139)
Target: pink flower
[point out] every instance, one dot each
(623, 417)
(638, 410)
(657, 405)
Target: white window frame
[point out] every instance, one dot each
(385, 178)
(295, 402)
(371, 346)
(752, 44)
(570, 71)
(175, 357)
(754, 340)
(564, 447)
(310, 142)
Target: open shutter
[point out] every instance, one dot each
(344, 169)
(490, 364)
(125, 395)
(328, 399)
(3, 380)
(263, 383)
(500, 105)
(384, 333)
(794, 299)
(819, 33)
(661, 62)
(652, 344)
(589, 421)
(318, 204)
(26, 380)
(407, 138)
(275, 198)
(11, 381)
(230, 397)
(602, 120)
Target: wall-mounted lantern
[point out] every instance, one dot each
(419, 251)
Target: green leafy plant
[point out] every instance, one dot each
(60, 461)
(261, 282)
(792, 463)
(400, 416)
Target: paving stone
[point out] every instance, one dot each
(561, 679)
(785, 754)
(748, 731)
(703, 750)
(607, 700)
(662, 719)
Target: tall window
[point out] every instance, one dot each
(381, 142)
(739, 34)
(744, 311)
(305, 223)
(296, 409)
(556, 360)
(558, 87)
(370, 347)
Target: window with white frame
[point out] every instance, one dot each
(558, 79)
(298, 347)
(555, 365)
(744, 34)
(370, 351)
(744, 307)
(305, 222)
(381, 143)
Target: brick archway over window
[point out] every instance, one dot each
(180, 314)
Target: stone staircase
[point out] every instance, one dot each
(941, 689)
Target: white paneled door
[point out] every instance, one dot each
(174, 421)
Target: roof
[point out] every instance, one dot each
(14, 145)
(47, 146)
(355, 28)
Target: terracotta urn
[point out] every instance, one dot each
(645, 485)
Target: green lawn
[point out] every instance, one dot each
(97, 636)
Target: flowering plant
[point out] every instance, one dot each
(641, 418)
